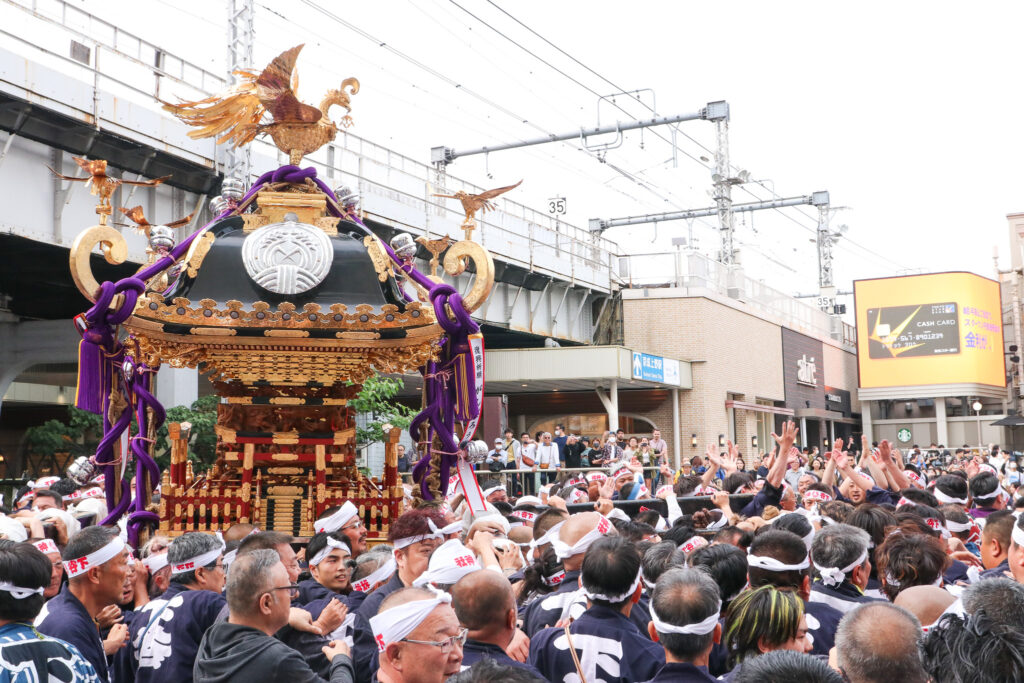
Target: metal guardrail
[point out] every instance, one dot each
(122, 63)
(116, 57)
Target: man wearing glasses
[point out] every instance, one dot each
(244, 649)
(344, 520)
(418, 637)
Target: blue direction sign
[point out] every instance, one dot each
(655, 368)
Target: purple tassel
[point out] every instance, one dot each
(93, 378)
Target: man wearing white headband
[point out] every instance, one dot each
(47, 547)
(154, 557)
(25, 655)
(328, 559)
(96, 562)
(996, 538)
(345, 520)
(418, 637)
(244, 649)
(171, 627)
(987, 494)
(840, 558)
(685, 609)
(496, 494)
(570, 542)
(778, 557)
(415, 535)
(607, 645)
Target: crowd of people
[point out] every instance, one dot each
(878, 566)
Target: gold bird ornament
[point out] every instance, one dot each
(102, 185)
(266, 103)
(136, 216)
(471, 203)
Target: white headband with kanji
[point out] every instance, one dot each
(46, 546)
(155, 563)
(108, 552)
(564, 550)
(820, 496)
(382, 572)
(193, 563)
(693, 544)
(394, 624)
(449, 563)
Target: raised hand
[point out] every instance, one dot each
(788, 437)
(711, 453)
(842, 460)
(885, 449)
(730, 457)
(720, 499)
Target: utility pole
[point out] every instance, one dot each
(723, 190)
(826, 239)
(241, 38)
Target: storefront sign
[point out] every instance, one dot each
(655, 368)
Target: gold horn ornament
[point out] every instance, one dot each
(115, 251)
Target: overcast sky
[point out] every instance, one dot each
(908, 113)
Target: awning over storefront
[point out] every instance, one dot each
(581, 368)
(819, 414)
(758, 408)
(1009, 421)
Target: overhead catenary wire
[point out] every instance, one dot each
(430, 70)
(288, 23)
(619, 88)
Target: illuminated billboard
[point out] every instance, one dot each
(943, 328)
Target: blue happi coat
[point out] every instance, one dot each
(609, 646)
(166, 633)
(546, 610)
(66, 618)
(27, 658)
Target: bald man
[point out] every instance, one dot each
(430, 652)
(927, 603)
(546, 611)
(486, 606)
(877, 642)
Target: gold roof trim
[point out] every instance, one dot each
(154, 307)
